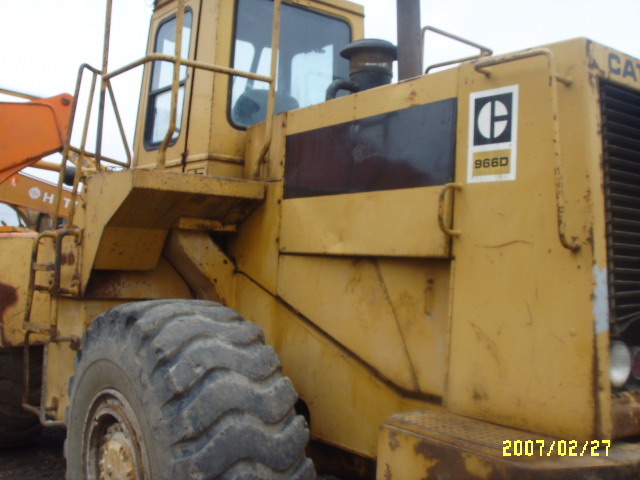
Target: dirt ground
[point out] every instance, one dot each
(45, 459)
(42, 460)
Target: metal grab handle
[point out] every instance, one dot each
(481, 66)
(447, 230)
(484, 51)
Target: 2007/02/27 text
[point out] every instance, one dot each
(561, 448)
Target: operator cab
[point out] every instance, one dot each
(214, 110)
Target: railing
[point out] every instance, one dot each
(54, 289)
(484, 51)
(483, 67)
(80, 155)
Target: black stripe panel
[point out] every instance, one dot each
(414, 147)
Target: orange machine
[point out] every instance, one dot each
(34, 194)
(32, 130)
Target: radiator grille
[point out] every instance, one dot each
(621, 163)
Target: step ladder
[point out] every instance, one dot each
(54, 290)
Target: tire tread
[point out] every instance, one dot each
(222, 409)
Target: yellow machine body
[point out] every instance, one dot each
(424, 318)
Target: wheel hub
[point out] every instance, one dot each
(112, 450)
(117, 458)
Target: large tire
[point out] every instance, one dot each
(182, 390)
(17, 426)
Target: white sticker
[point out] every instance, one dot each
(493, 135)
(600, 300)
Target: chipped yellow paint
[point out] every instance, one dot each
(477, 466)
(398, 458)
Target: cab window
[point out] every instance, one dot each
(10, 216)
(159, 103)
(309, 61)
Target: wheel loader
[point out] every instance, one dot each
(303, 268)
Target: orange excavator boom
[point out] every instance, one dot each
(32, 130)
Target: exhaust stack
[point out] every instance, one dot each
(409, 39)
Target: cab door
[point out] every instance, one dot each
(155, 102)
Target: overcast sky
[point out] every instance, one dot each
(42, 42)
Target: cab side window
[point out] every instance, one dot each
(310, 43)
(10, 216)
(159, 103)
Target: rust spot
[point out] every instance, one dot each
(530, 322)
(103, 285)
(68, 259)
(507, 244)
(8, 298)
(491, 346)
(593, 65)
(393, 441)
(422, 449)
(479, 396)
(589, 238)
(451, 463)
(626, 410)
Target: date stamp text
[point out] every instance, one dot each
(561, 448)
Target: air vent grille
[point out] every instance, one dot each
(621, 163)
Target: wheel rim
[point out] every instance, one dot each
(112, 440)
